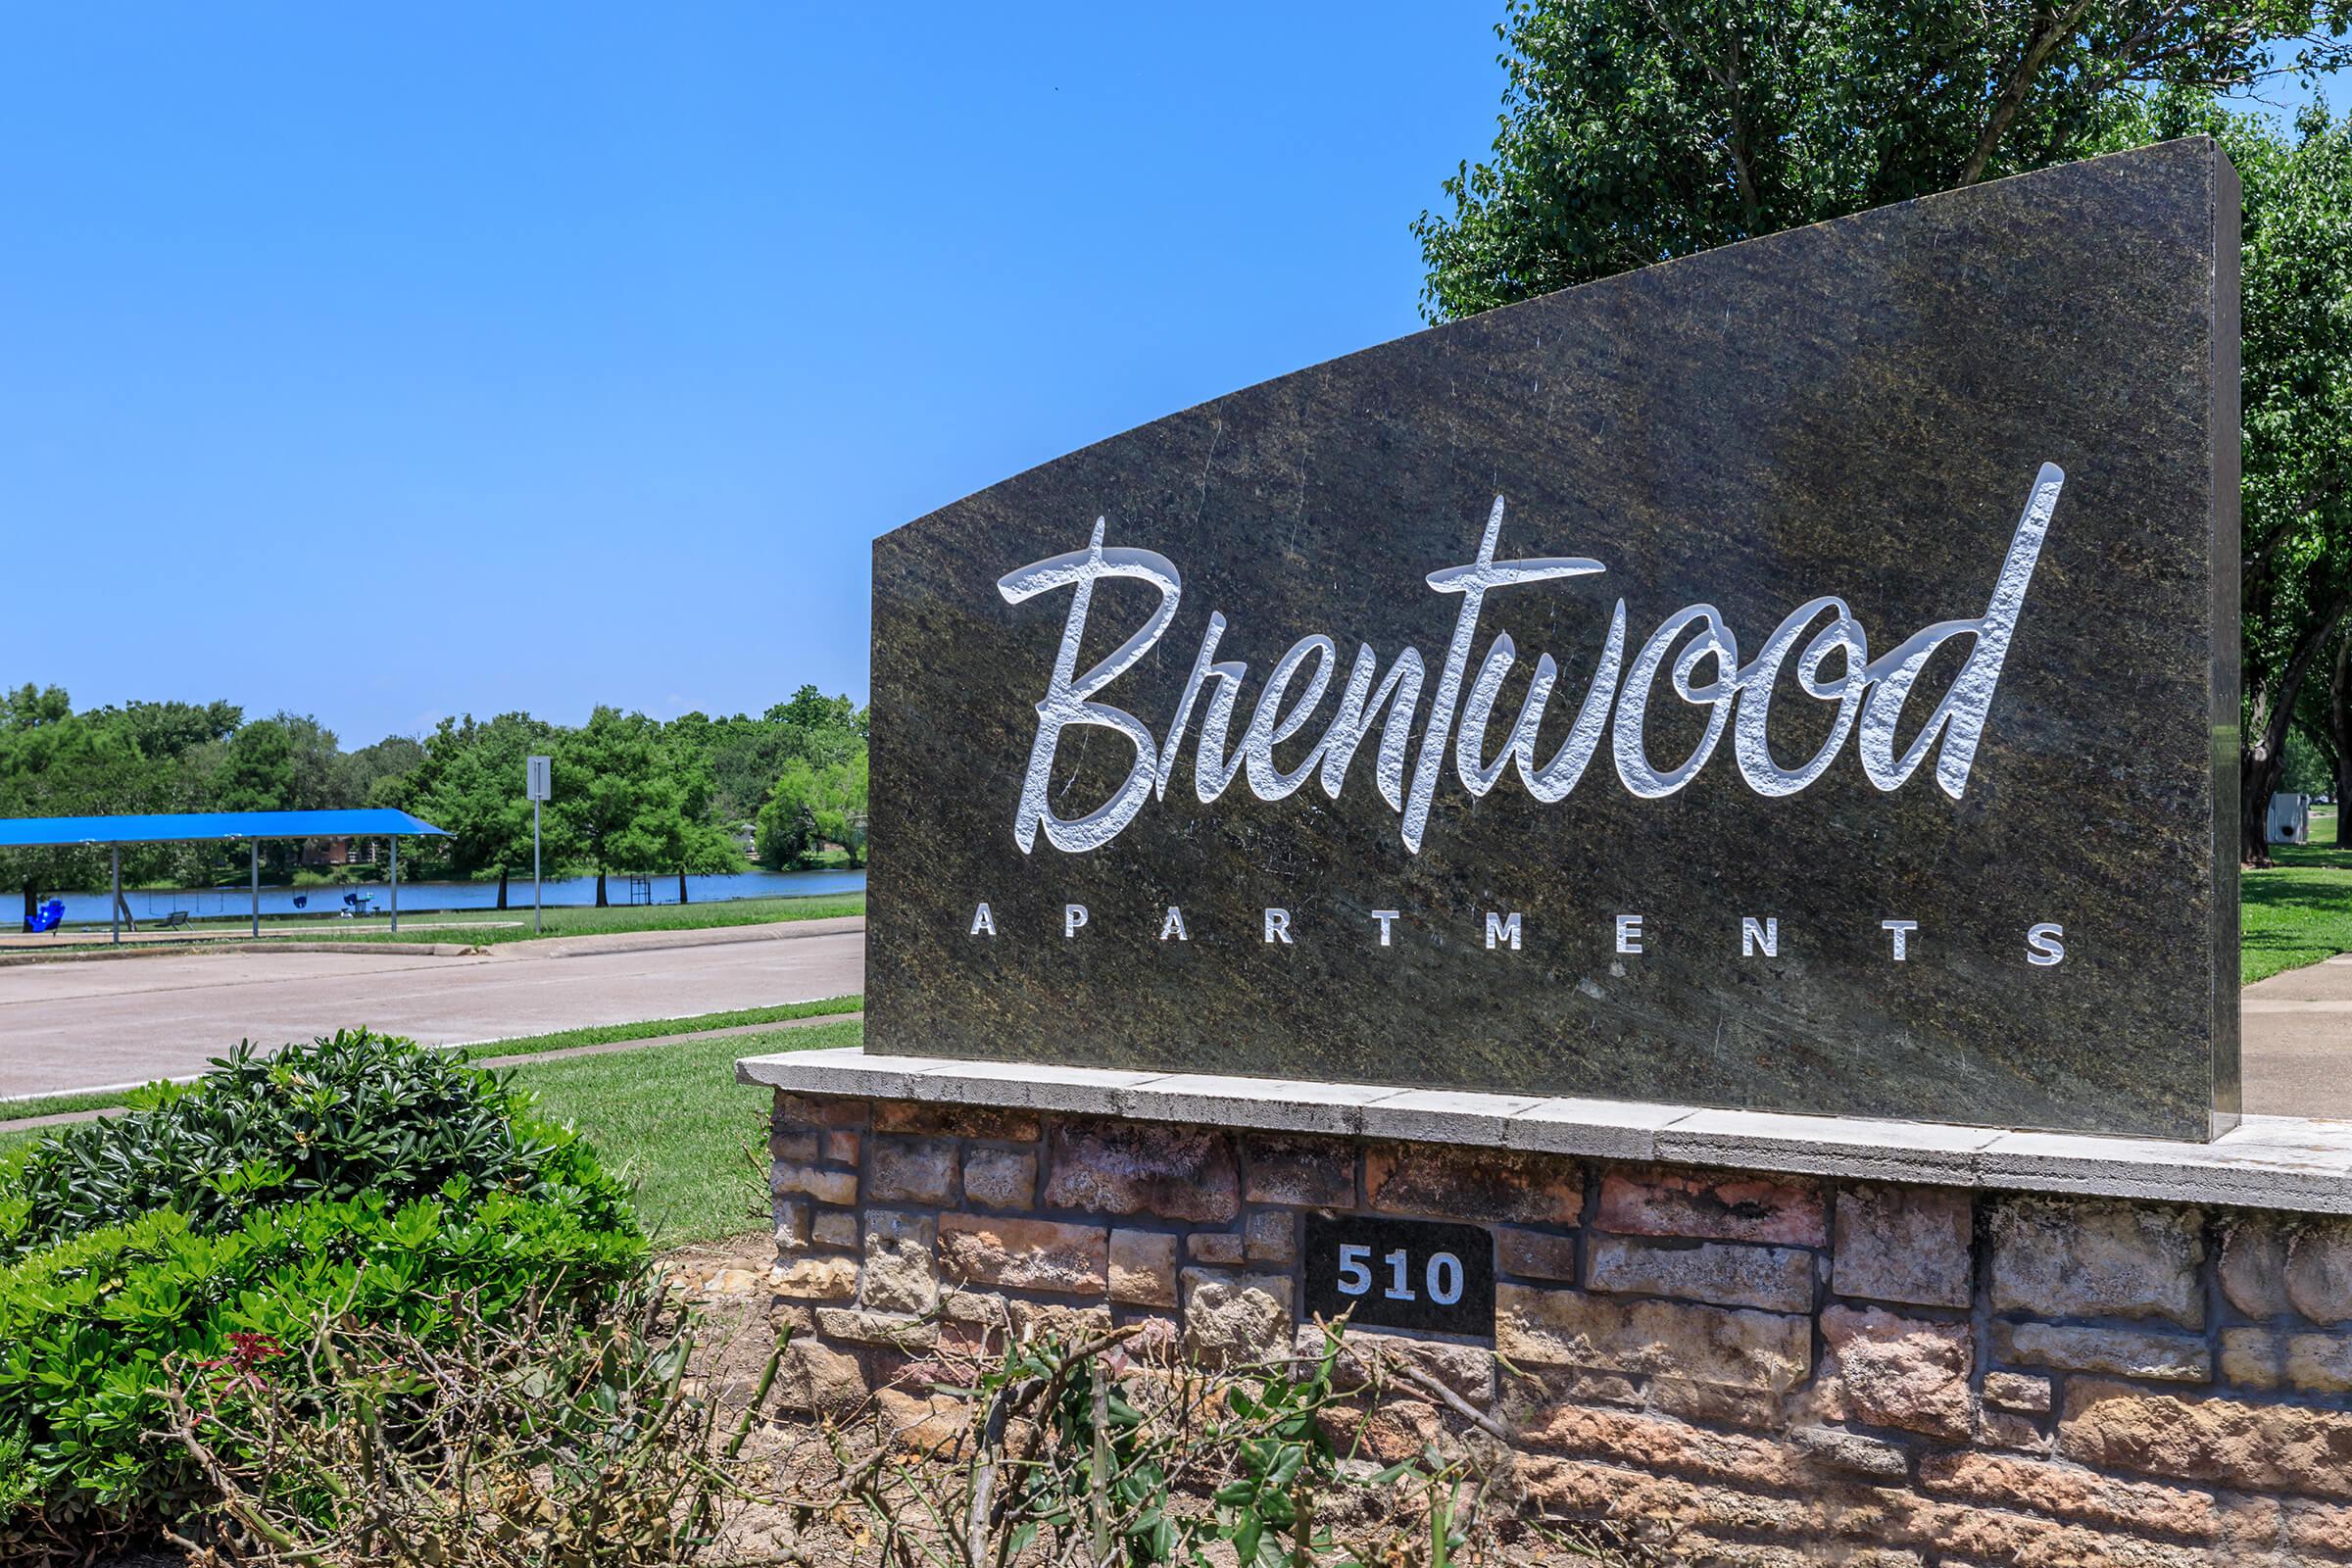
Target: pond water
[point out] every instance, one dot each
(420, 897)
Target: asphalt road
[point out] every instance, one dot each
(99, 1023)
(102, 1023)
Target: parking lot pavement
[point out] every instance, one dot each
(99, 1023)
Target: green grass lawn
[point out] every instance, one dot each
(674, 1122)
(2299, 910)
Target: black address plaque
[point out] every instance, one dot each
(1402, 1273)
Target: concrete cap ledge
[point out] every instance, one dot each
(2283, 1162)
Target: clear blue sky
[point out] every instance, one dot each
(444, 359)
(416, 361)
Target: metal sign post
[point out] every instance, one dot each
(539, 785)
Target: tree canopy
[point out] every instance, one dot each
(1637, 130)
(1633, 131)
(633, 795)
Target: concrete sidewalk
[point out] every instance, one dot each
(2297, 1030)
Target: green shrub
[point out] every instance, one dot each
(357, 1112)
(358, 1178)
(86, 1325)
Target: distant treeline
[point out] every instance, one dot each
(633, 795)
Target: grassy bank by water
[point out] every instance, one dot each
(489, 927)
(576, 921)
(2299, 910)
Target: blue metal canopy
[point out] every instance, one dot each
(189, 827)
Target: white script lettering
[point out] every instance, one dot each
(1869, 695)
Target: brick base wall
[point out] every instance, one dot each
(1785, 1369)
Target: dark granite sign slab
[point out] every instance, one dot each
(1800, 676)
(1400, 1273)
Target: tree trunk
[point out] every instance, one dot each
(681, 884)
(2257, 781)
(599, 887)
(2262, 757)
(501, 887)
(31, 898)
(2339, 728)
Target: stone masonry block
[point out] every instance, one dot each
(1888, 1371)
(819, 1380)
(1234, 1319)
(1742, 1349)
(1904, 1243)
(1467, 1370)
(1299, 1169)
(1142, 1268)
(2078, 1257)
(2015, 1391)
(1221, 1248)
(1853, 1452)
(957, 1121)
(898, 1331)
(2319, 1272)
(2208, 1438)
(1000, 1178)
(1181, 1173)
(1272, 1237)
(1715, 1208)
(835, 1227)
(911, 1170)
(2309, 1363)
(816, 1111)
(1483, 1185)
(1535, 1256)
(816, 1279)
(825, 1186)
(1543, 1421)
(2038, 1486)
(2115, 1352)
(900, 1274)
(1036, 1254)
(2253, 1266)
(1771, 1279)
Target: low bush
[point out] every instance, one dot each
(644, 1438)
(355, 1113)
(545, 1438)
(361, 1180)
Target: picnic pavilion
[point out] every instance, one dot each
(205, 827)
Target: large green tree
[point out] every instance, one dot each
(2295, 556)
(1637, 130)
(814, 803)
(470, 784)
(626, 807)
(56, 762)
(2324, 716)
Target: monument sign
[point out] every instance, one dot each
(1801, 676)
